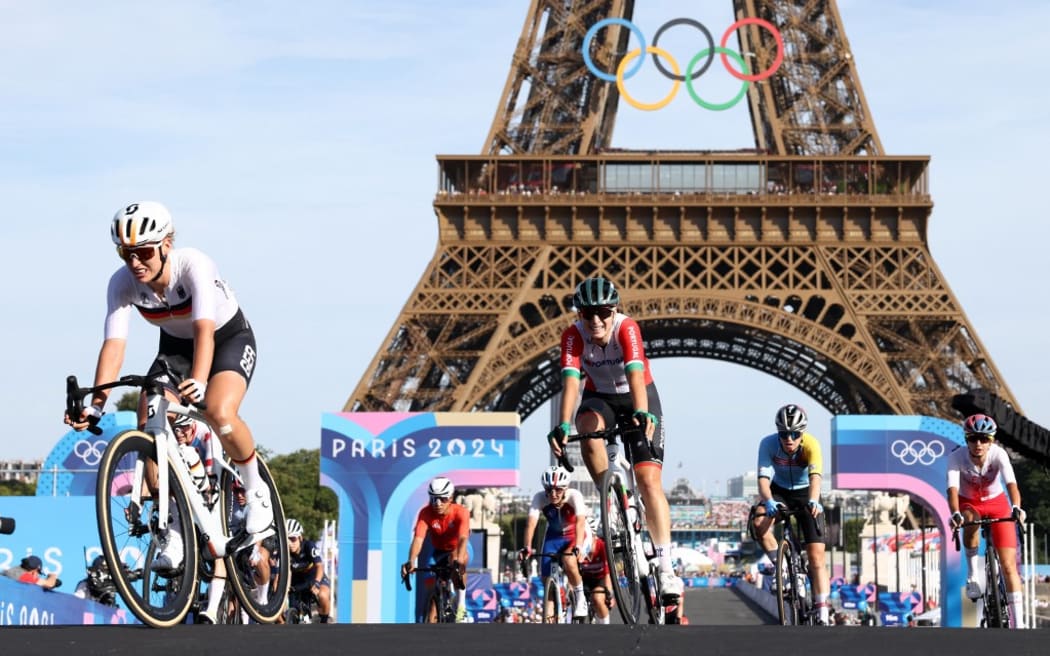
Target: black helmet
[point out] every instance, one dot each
(595, 292)
(791, 418)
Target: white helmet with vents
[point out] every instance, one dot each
(137, 224)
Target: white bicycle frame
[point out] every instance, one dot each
(209, 521)
(616, 459)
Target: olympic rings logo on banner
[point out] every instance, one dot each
(691, 71)
(89, 452)
(917, 451)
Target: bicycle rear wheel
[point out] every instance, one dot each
(260, 586)
(126, 532)
(788, 607)
(620, 548)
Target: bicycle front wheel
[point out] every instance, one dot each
(127, 529)
(620, 547)
(995, 606)
(788, 604)
(551, 602)
(259, 572)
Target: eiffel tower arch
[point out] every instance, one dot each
(805, 258)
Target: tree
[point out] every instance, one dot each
(297, 476)
(17, 489)
(129, 401)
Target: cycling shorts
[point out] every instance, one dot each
(234, 351)
(618, 410)
(1004, 534)
(812, 528)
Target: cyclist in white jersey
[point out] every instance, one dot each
(976, 475)
(204, 338)
(602, 353)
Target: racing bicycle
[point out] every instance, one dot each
(792, 572)
(559, 601)
(138, 502)
(443, 597)
(996, 611)
(633, 567)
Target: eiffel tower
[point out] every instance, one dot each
(805, 258)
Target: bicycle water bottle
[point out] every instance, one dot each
(197, 473)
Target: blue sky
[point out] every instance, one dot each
(295, 143)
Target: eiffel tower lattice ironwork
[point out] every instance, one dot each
(806, 259)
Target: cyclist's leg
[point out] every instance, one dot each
(601, 598)
(324, 600)
(594, 414)
(1004, 536)
(971, 541)
(813, 537)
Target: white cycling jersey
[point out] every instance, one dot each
(196, 291)
(983, 481)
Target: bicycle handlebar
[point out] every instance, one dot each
(608, 434)
(783, 513)
(575, 551)
(438, 569)
(983, 521)
(154, 383)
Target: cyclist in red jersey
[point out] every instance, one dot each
(448, 525)
(594, 569)
(604, 367)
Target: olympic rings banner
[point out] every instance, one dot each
(692, 71)
(906, 454)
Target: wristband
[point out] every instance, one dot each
(649, 415)
(565, 426)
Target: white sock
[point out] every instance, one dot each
(602, 620)
(260, 594)
(215, 590)
(971, 562)
(581, 598)
(1016, 601)
(663, 554)
(821, 603)
(249, 471)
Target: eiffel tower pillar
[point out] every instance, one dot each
(806, 259)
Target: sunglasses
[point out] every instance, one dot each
(434, 499)
(185, 428)
(551, 490)
(140, 253)
(293, 538)
(789, 435)
(974, 439)
(602, 313)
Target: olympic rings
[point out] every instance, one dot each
(917, 451)
(690, 74)
(90, 452)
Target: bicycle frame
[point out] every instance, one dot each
(558, 580)
(996, 607)
(442, 595)
(645, 583)
(790, 594)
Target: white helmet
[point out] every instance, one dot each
(293, 528)
(555, 476)
(147, 222)
(441, 487)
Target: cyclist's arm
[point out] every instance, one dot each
(530, 529)
(1014, 493)
(953, 500)
(415, 548)
(814, 487)
(203, 348)
(110, 360)
(464, 536)
(636, 383)
(570, 394)
(765, 490)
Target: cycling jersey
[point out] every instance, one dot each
(980, 482)
(446, 531)
(303, 565)
(606, 366)
(195, 291)
(789, 471)
(561, 522)
(593, 564)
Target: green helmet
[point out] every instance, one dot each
(595, 292)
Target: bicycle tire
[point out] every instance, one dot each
(156, 600)
(551, 602)
(241, 574)
(653, 595)
(619, 548)
(787, 595)
(994, 612)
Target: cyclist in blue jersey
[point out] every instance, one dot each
(307, 566)
(790, 468)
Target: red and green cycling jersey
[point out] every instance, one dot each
(606, 366)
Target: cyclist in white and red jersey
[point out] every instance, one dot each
(976, 476)
(204, 338)
(566, 513)
(602, 353)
